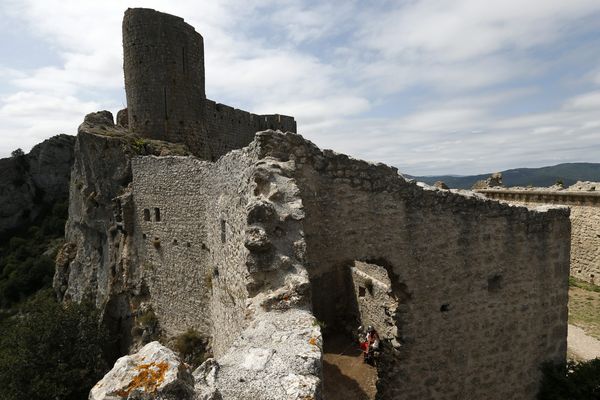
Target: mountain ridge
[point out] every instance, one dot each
(568, 173)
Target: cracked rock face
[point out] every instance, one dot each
(155, 372)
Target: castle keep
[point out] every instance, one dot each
(270, 246)
(163, 62)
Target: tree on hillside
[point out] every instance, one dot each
(17, 153)
(51, 351)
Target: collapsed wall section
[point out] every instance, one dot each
(481, 287)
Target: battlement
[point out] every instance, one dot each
(163, 62)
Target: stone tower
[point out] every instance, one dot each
(164, 82)
(164, 75)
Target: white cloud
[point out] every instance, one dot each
(335, 66)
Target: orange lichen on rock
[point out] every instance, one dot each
(149, 378)
(312, 341)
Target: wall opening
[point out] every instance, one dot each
(495, 283)
(223, 231)
(146, 214)
(157, 214)
(362, 297)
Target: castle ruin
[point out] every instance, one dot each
(269, 246)
(163, 62)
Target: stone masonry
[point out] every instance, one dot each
(585, 221)
(163, 62)
(260, 247)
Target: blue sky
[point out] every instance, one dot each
(429, 86)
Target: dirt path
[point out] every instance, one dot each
(345, 376)
(582, 346)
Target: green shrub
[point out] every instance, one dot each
(191, 346)
(26, 266)
(51, 351)
(571, 381)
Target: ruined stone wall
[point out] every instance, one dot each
(228, 128)
(585, 224)
(163, 62)
(170, 234)
(374, 297)
(481, 287)
(193, 253)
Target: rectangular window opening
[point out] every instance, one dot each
(223, 230)
(157, 214)
(362, 291)
(146, 214)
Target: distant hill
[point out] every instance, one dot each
(569, 173)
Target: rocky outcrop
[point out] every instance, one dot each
(99, 261)
(278, 357)
(494, 181)
(155, 372)
(31, 183)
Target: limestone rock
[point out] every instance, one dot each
(441, 185)
(123, 118)
(99, 118)
(205, 377)
(29, 183)
(155, 372)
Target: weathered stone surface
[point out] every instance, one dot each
(494, 181)
(153, 373)
(277, 357)
(584, 203)
(441, 185)
(163, 58)
(33, 182)
(123, 118)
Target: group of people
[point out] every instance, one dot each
(371, 346)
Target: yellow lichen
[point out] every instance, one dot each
(312, 341)
(149, 378)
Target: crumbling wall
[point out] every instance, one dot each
(373, 293)
(247, 283)
(481, 286)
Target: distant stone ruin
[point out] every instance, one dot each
(269, 246)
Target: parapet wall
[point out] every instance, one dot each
(227, 128)
(481, 287)
(585, 223)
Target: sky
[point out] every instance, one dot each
(429, 86)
